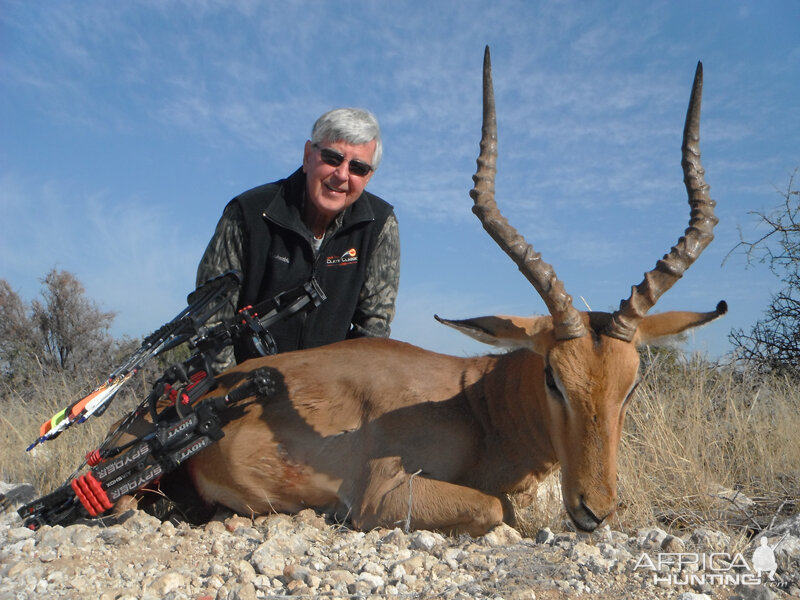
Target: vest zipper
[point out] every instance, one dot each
(314, 269)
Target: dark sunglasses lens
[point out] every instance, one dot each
(331, 157)
(359, 168)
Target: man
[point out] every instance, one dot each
(321, 223)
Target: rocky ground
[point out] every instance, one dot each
(305, 556)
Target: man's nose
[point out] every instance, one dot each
(342, 172)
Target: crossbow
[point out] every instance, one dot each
(178, 418)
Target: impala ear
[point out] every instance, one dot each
(653, 327)
(504, 331)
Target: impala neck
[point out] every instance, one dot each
(512, 408)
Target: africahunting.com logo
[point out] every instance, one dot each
(715, 568)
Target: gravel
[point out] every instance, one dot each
(306, 556)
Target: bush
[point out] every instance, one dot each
(62, 332)
(773, 343)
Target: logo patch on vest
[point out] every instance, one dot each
(348, 258)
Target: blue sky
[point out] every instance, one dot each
(125, 127)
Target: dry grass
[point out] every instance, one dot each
(695, 430)
(22, 412)
(692, 429)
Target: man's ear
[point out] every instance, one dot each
(653, 327)
(504, 331)
(307, 149)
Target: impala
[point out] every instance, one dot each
(384, 432)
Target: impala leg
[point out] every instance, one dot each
(433, 504)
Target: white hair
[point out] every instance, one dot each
(351, 125)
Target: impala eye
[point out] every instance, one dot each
(550, 382)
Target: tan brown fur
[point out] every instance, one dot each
(350, 425)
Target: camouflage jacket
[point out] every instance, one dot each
(375, 307)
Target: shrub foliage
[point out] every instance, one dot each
(773, 343)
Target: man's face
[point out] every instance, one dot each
(332, 189)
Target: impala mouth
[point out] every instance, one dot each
(584, 517)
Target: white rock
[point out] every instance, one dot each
(706, 540)
(19, 533)
(502, 535)
(168, 582)
(375, 582)
(423, 540)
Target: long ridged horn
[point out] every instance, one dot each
(566, 319)
(697, 236)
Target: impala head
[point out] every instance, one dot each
(589, 363)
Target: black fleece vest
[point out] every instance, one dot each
(279, 256)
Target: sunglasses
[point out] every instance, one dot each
(333, 158)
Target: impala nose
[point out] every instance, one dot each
(585, 518)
